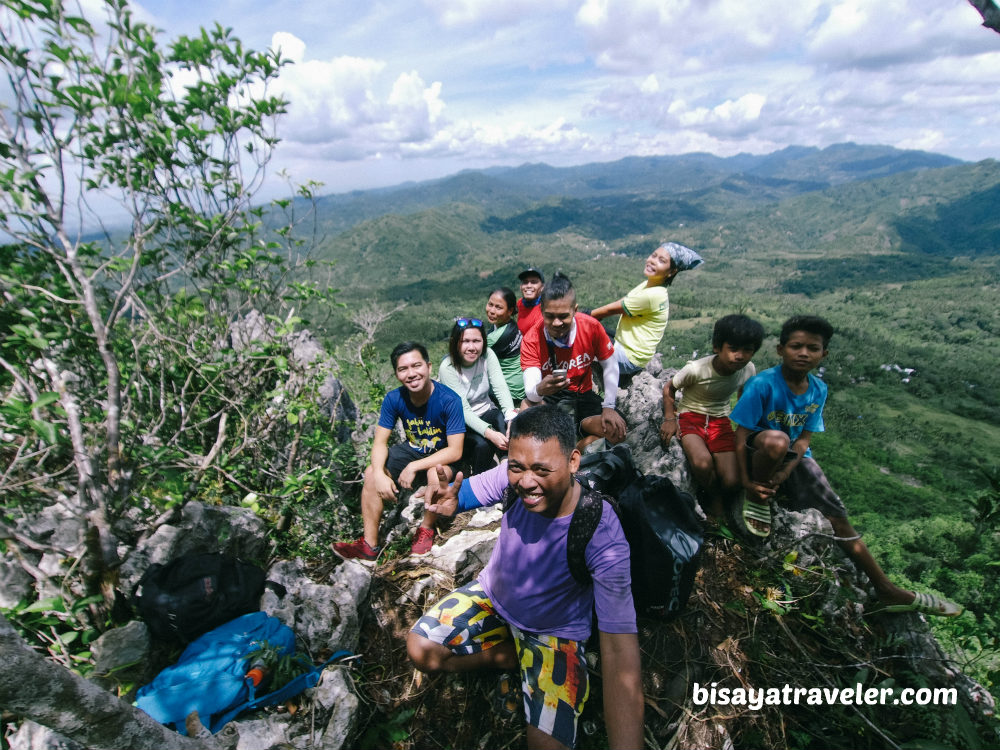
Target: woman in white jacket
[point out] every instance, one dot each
(473, 371)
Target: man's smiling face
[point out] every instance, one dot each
(542, 474)
(413, 371)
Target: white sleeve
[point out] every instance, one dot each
(610, 367)
(532, 377)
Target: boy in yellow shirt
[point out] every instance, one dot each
(701, 415)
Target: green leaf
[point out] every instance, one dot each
(45, 430)
(55, 604)
(44, 399)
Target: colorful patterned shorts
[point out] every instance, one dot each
(553, 670)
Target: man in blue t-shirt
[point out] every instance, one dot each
(434, 426)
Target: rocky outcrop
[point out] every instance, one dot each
(739, 610)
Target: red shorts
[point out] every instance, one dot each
(717, 432)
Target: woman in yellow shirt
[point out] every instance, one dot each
(645, 309)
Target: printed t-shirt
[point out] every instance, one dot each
(426, 427)
(768, 403)
(528, 315)
(705, 391)
(588, 343)
(641, 326)
(509, 354)
(528, 578)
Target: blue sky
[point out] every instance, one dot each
(386, 91)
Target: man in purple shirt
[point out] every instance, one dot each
(526, 610)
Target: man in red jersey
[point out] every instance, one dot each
(557, 356)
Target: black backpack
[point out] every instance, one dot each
(660, 525)
(195, 593)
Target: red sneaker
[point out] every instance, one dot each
(423, 540)
(358, 550)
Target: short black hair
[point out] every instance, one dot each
(544, 422)
(810, 324)
(737, 331)
(405, 348)
(558, 288)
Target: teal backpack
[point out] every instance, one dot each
(211, 675)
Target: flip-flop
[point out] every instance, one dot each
(506, 699)
(759, 512)
(927, 604)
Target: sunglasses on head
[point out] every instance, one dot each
(466, 322)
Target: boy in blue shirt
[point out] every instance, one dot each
(434, 425)
(776, 416)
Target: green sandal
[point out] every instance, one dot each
(927, 604)
(760, 513)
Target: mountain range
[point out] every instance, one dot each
(790, 171)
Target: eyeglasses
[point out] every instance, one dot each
(466, 322)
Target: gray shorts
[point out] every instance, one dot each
(806, 487)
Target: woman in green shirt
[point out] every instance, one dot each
(504, 338)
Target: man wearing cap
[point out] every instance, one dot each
(529, 311)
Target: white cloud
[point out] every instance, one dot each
(455, 13)
(350, 107)
(882, 33)
(290, 46)
(645, 35)
(504, 141)
(410, 88)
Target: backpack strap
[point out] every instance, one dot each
(582, 526)
(509, 498)
(286, 692)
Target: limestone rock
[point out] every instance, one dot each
(202, 528)
(336, 694)
(119, 648)
(32, 736)
(324, 616)
(57, 526)
(464, 555)
(15, 584)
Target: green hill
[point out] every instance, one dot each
(504, 191)
(904, 263)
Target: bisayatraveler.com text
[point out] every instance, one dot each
(788, 695)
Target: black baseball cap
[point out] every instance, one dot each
(531, 271)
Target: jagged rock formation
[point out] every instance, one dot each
(790, 611)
